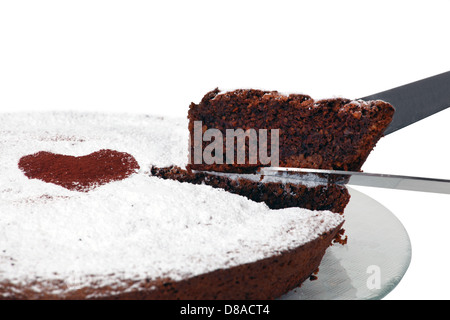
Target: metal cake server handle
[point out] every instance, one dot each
(416, 101)
(388, 181)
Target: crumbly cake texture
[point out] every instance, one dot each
(335, 133)
(141, 237)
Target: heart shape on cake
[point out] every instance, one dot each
(82, 173)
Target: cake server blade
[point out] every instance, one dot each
(388, 181)
(416, 101)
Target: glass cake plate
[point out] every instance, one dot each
(370, 265)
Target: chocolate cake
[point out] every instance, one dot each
(128, 234)
(158, 226)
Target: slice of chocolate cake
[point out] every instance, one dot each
(334, 134)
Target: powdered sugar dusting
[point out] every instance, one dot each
(139, 228)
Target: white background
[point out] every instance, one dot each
(157, 57)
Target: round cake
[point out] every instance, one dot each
(82, 217)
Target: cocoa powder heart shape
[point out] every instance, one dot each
(79, 173)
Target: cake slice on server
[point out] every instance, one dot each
(235, 133)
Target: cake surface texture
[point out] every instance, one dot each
(137, 236)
